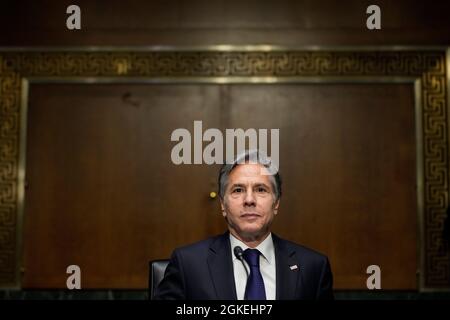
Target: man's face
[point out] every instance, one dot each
(249, 202)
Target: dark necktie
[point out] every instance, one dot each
(255, 284)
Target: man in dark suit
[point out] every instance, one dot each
(248, 261)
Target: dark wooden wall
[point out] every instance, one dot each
(60, 135)
(200, 22)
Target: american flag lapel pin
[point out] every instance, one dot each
(293, 267)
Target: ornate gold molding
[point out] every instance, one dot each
(428, 67)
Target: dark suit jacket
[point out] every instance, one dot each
(204, 271)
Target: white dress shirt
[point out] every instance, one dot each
(266, 266)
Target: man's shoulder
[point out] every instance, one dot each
(301, 250)
(202, 246)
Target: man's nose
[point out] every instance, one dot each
(249, 199)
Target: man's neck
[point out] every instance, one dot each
(250, 241)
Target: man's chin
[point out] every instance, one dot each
(251, 233)
(248, 231)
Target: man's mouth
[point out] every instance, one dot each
(249, 215)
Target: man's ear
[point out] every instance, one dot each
(275, 206)
(222, 207)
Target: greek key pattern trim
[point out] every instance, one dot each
(428, 66)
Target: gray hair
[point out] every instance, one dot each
(250, 156)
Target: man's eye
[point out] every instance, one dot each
(262, 190)
(237, 190)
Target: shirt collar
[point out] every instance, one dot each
(266, 247)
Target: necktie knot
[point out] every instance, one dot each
(252, 257)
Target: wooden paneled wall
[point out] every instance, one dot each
(201, 22)
(102, 192)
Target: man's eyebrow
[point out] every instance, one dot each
(261, 185)
(257, 185)
(237, 185)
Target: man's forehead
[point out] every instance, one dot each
(249, 171)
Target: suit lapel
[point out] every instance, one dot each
(286, 278)
(220, 266)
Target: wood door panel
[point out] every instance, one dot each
(347, 158)
(103, 193)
